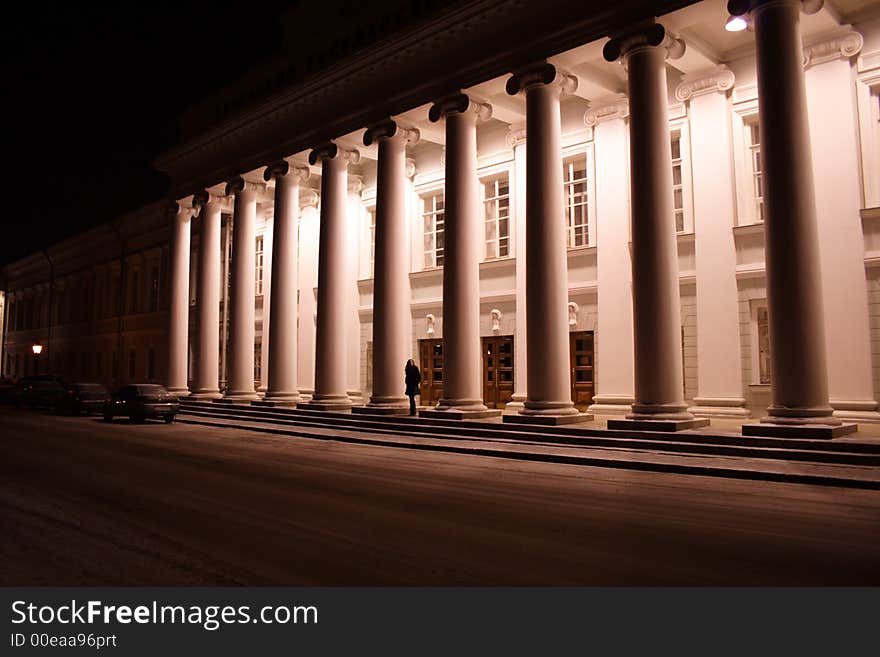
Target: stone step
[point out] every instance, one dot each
(848, 445)
(685, 443)
(645, 460)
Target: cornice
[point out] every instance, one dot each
(713, 80)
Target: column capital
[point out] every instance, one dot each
(181, 207)
(204, 198)
(461, 103)
(743, 7)
(282, 169)
(615, 107)
(355, 183)
(642, 35)
(389, 128)
(839, 44)
(308, 198)
(329, 151)
(410, 167)
(238, 185)
(540, 73)
(516, 136)
(716, 79)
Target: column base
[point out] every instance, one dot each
(356, 397)
(719, 407)
(546, 420)
(206, 394)
(611, 405)
(515, 405)
(858, 410)
(644, 424)
(180, 392)
(328, 404)
(453, 413)
(769, 426)
(306, 394)
(240, 396)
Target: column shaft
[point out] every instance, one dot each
(207, 354)
(240, 384)
(282, 363)
(391, 314)
(178, 307)
(265, 343)
(330, 347)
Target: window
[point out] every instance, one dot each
(133, 307)
(677, 183)
(98, 368)
(258, 266)
(154, 289)
(132, 360)
(258, 362)
(433, 222)
(763, 345)
(756, 169)
(576, 201)
(496, 212)
(16, 366)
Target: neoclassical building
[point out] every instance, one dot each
(641, 212)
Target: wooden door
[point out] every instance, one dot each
(581, 351)
(497, 370)
(431, 359)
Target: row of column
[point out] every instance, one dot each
(799, 382)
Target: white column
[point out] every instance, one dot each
(462, 360)
(268, 239)
(309, 245)
(330, 347)
(799, 376)
(240, 383)
(391, 313)
(280, 367)
(548, 398)
(659, 390)
(516, 139)
(206, 374)
(353, 228)
(719, 376)
(178, 307)
(614, 339)
(835, 147)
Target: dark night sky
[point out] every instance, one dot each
(91, 96)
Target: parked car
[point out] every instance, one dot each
(36, 392)
(81, 398)
(140, 401)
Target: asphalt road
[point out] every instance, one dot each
(86, 503)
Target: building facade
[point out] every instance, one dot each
(644, 197)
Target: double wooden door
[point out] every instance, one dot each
(431, 362)
(581, 356)
(497, 370)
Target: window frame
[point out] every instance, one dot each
(744, 115)
(680, 127)
(495, 175)
(259, 262)
(433, 195)
(756, 308)
(868, 101)
(585, 150)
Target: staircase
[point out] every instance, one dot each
(851, 462)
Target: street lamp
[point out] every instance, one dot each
(37, 348)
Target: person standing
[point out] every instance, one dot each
(413, 379)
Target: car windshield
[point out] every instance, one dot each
(45, 385)
(94, 388)
(151, 389)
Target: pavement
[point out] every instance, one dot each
(88, 503)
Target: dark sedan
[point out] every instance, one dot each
(81, 398)
(32, 393)
(141, 401)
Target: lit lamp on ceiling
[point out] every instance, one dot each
(736, 24)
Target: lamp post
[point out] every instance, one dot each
(37, 348)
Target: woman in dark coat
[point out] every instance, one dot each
(413, 379)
